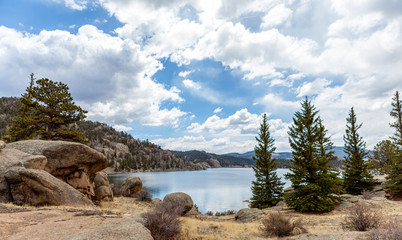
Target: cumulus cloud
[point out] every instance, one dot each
(312, 88)
(184, 74)
(122, 128)
(276, 16)
(73, 4)
(108, 76)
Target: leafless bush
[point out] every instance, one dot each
(144, 195)
(209, 213)
(280, 225)
(225, 213)
(163, 221)
(362, 218)
(391, 230)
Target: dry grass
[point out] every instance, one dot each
(124, 205)
(208, 228)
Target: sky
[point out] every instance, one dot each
(199, 74)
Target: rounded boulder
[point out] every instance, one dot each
(131, 186)
(178, 200)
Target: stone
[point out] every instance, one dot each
(103, 190)
(179, 199)
(38, 188)
(156, 201)
(214, 163)
(349, 197)
(14, 158)
(131, 186)
(73, 163)
(2, 145)
(288, 190)
(63, 157)
(248, 214)
(123, 230)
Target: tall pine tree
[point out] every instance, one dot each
(357, 177)
(312, 179)
(395, 175)
(267, 189)
(47, 111)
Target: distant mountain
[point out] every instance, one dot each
(224, 160)
(339, 152)
(228, 160)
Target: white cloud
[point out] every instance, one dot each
(276, 16)
(108, 76)
(122, 128)
(242, 122)
(312, 88)
(73, 4)
(218, 110)
(184, 74)
(191, 84)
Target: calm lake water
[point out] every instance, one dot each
(216, 189)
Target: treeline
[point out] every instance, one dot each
(316, 185)
(47, 111)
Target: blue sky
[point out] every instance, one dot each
(192, 74)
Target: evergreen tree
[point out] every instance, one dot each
(395, 175)
(267, 189)
(357, 177)
(47, 111)
(383, 157)
(312, 179)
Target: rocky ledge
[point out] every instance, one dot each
(38, 172)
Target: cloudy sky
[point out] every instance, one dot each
(198, 74)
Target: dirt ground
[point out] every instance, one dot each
(17, 223)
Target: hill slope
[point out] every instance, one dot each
(123, 151)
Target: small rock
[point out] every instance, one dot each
(2, 145)
(248, 214)
(131, 186)
(156, 201)
(288, 190)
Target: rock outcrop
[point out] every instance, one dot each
(37, 187)
(103, 190)
(40, 172)
(73, 163)
(248, 214)
(131, 186)
(179, 199)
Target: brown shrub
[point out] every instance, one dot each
(362, 218)
(144, 195)
(163, 221)
(391, 230)
(280, 225)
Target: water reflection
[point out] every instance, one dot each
(217, 189)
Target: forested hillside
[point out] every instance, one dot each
(123, 151)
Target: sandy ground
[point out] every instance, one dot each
(71, 223)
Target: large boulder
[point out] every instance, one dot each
(131, 186)
(14, 158)
(178, 199)
(103, 190)
(38, 187)
(73, 163)
(248, 214)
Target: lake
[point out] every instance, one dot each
(216, 189)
